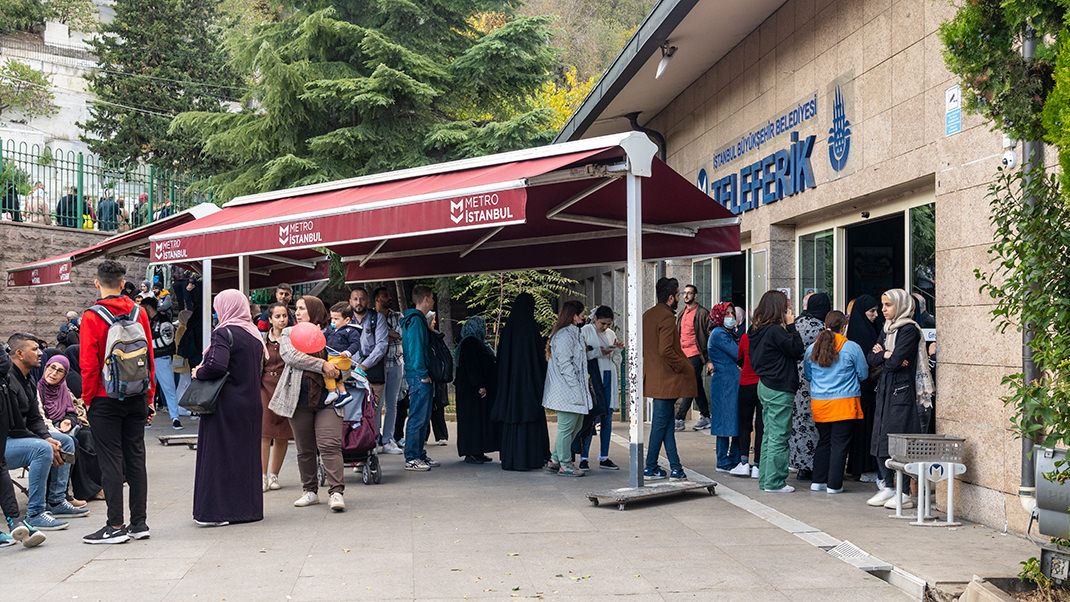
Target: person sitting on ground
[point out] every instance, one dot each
(343, 340)
(68, 333)
(835, 368)
(283, 295)
(30, 443)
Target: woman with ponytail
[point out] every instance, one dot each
(835, 368)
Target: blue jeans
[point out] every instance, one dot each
(419, 416)
(728, 456)
(606, 424)
(394, 374)
(165, 380)
(662, 431)
(47, 483)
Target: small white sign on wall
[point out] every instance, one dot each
(952, 110)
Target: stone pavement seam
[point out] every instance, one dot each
(901, 579)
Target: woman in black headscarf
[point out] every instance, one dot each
(803, 440)
(74, 375)
(862, 329)
(518, 404)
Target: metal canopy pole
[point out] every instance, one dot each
(206, 302)
(243, 274)
(634, 304)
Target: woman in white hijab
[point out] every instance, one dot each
(896, 352)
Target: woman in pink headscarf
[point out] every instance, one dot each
(227, 487)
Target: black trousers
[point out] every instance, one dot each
(119, 438)
(750, 420)
(830, 457)
(702, 402)
(438, 413)
(8, 503)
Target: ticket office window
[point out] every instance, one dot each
(702, 278)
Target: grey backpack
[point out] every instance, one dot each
(125, 371)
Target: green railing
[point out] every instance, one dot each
(40, 185)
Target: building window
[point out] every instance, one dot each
(702, 278)
(923, 256)
(758, 272)
(816, 270)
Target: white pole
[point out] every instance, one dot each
(634, 299)
(243, 274)
(206, 302)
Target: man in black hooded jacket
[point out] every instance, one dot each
(29, 536)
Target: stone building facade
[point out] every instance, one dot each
(41, 310)
(894, 196)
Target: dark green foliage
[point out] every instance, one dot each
(351, 88)
(491, 296)
(157, 58)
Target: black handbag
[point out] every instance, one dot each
(202, 396)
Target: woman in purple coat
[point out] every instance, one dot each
(228, 487)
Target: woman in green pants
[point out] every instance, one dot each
(775, 349)
(566, 388)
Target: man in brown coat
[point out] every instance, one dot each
(667, 376)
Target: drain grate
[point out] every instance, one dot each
(857, 557)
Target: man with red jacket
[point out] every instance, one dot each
(118, 424)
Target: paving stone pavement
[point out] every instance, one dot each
(457, 532)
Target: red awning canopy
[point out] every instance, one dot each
(57, 270)
(555, 206)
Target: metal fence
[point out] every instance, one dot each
(70, 189)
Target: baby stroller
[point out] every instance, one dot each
(359, 433)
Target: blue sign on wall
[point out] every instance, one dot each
(781, 174)
(839, 134)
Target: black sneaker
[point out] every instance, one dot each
(175, 424)
(608, 464)
(140, 531)
(108, 534)
(585, 465)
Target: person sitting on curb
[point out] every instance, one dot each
(20, 532)
(30, 443)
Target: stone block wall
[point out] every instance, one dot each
(41, 310)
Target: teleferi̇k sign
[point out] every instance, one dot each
(785, 172)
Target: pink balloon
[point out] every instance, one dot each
(307, 338)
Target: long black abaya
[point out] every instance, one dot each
(477, 369)
(525, 443)
(862, 331)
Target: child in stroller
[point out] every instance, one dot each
(359, 431)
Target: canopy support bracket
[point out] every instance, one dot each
(482, 239)
(616, 223)
(308, 265)
(580, 196)
(369, 256)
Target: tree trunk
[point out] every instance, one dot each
(402, 295)
(445, 319)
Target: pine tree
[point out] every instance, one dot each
(156, 59)
(345, 88)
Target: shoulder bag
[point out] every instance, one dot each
(202, 396)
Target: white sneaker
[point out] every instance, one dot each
(392, 449)
(742, 470)
(337, 503)
(832, 491)
(273, 482)
(307, 498)
(818, 487)
(882, 496)
(265, 479)
(754, 472)
(331, 397)
(868, 477)
(784, 489)
(907, 501)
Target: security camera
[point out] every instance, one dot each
(1010, 159)
(865, 215)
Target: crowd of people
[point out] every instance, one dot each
(820, 393)
(107, 212)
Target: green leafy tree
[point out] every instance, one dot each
(349, 88)
(491, 296)
(156, 59)
(25, 90)
(79, 15)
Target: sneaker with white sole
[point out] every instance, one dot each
(908, 502)
(881, 496)
(108, 534)
(273, 482)
(30, 537)
(337, 503)
(431, 463)
(67, 510)
(741, 470)
(308, 498)
(392, 449)
(264, 486)
(679, 425)
(139, 531)
(46, 522)
(818, 487)
(211, 523)
(703, 423)
(754, 472)
(784, 489)
(832, 491)
(6, 540)
(868, 477)
(417, 465)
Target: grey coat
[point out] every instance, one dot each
(284, 400)
(566, 374)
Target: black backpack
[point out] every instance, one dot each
(438, 358)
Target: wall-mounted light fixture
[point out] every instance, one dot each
(666, 56)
